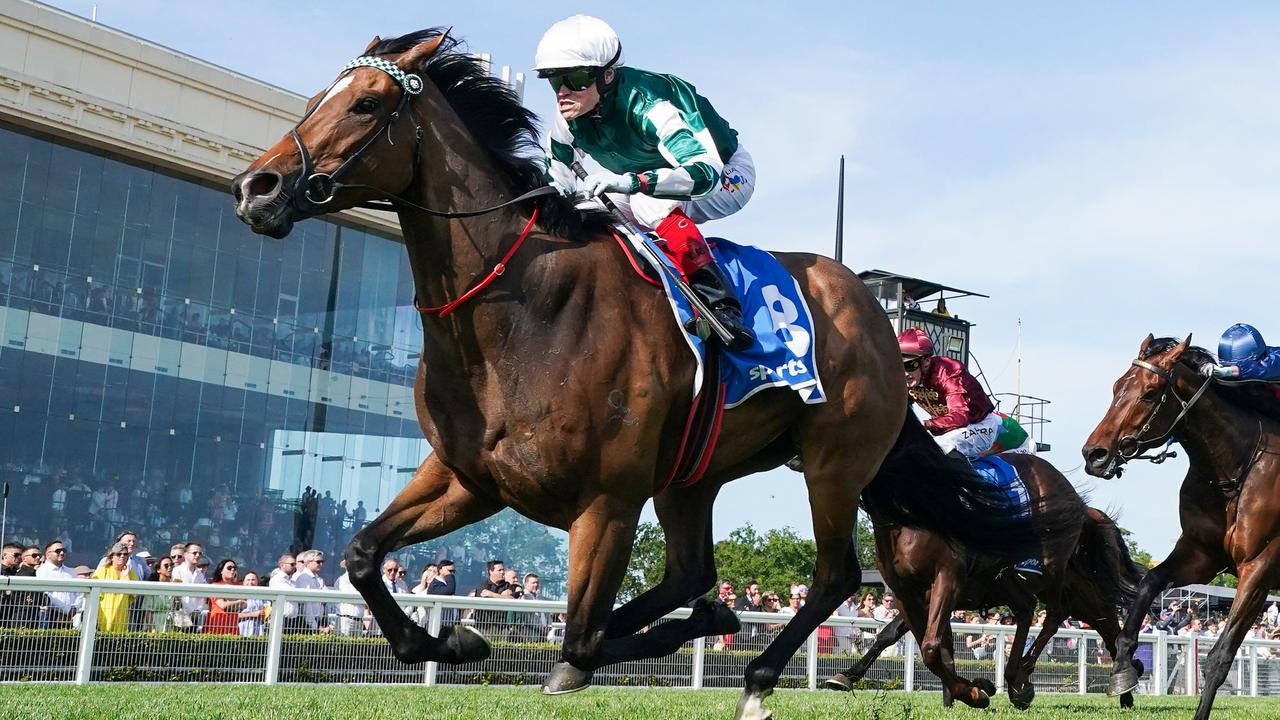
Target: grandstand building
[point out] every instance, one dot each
(162, 368)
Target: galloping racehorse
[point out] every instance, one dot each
(1229, 504)
(1086, 571)
(557, 383)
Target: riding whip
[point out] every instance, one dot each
(643, 245)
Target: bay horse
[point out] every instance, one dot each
(1087, 572)
(554, 381)
(1229, 503)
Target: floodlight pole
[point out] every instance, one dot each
(840, 215)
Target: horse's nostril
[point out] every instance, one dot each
(1095, 456)
(263, 183)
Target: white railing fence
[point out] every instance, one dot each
(157, 632)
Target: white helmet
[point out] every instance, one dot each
(579, 41)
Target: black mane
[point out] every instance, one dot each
(500, 124)
(1254, 396)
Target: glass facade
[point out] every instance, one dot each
(162, 368)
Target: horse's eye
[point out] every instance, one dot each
(367, 105)
(1151, 396)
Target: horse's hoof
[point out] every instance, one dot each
(751, 706)
(1126, 701)
(1021, 697)
(464, 644)
(985, 686)
(716, 617)
(565, 679)
(839, 681)
(1123, 681)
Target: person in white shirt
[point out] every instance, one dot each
(886, 610)
(308, 578)
(192, 612)
(282, 578)
(351, 616)
(63, 606)
(391, 578)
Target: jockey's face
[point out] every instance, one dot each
(573, 104)
(914, 368)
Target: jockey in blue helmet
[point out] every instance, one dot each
(1245, 356)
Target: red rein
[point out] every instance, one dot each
(498, 269)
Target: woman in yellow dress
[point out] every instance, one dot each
(113, 608)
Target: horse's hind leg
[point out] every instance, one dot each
(432, 504)
(888, 636)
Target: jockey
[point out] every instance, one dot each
(962, 418)
(670, 160)
(1245, 356)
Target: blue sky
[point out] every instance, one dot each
(1100, 170)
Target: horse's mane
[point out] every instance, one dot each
(1254, 396)
(506, 129)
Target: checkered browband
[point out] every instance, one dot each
(409, 82)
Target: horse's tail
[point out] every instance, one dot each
(918, 486)
(1104, 558)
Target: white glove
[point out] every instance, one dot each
(599, 183)
(1223, 371)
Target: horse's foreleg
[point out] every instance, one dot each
(1015, 675)
(935, 638)
(600, 541)
(432, 504)
(1187, 563)
(1256, 577)
(888, 636)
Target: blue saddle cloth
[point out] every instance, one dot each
(997, 472)
(774, 307)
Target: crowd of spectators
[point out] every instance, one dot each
(188, 563)
(148, 311)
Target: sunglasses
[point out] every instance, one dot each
(58, 550)
(912, 365)
(575, 80)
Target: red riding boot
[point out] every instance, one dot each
(688, 250)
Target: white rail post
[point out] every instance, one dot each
(1160, 674)
(699, 661)
(1253, 672)
(435, 620)
(811, 660)
(275, 641)
(1082, 664)
(1001, 640)
(1239, 688)
(88, 634)
(1193, 662)
(909, 663)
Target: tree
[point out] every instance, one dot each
(774, 559)
(1140, 556)
(648, 557)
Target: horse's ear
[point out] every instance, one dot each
(1181, 348)
(1142, 350)
(372, 44)
(420, 52)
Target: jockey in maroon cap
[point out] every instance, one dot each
(962, 418)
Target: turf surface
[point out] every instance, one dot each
(127, 701)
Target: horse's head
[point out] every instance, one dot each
(1147, 402)
(357, 141)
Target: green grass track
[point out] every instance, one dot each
(127, 701)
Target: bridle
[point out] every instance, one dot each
(1135, 441)
(314, 189)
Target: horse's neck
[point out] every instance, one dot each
(1219, 437)
(449, 256)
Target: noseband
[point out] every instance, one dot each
(1135, 441)
(312, 189)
